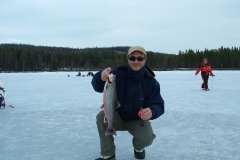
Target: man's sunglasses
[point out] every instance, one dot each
(132, 58)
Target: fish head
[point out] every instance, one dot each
(111, 78)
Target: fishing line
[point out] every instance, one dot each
(212, 82)
(141, 105)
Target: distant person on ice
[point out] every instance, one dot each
(2, 101)
(205, 71)
(90, 73)
(137, 90)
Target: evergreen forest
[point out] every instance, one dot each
(25, 58)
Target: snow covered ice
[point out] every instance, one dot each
(54, 118)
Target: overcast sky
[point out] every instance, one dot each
(157, 25)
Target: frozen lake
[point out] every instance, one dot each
(54, 118)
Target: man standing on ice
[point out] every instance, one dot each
(2, 101)
(205, 70)
(138, 94)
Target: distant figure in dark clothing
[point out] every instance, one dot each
(79, 74)
(2, 101)
(90, 74)
(205, 70)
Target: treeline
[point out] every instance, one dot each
(22, 57)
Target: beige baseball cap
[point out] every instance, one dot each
(137, 48)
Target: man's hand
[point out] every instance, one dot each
(146, 114)
(105, 74)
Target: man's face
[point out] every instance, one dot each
(136, 65)
(205, 62)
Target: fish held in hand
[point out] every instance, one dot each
(110, 103)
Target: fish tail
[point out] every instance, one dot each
(110, 131)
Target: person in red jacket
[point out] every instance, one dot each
(205, 71)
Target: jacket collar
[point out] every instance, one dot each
(136, 76)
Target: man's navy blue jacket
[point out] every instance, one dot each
(134, 91)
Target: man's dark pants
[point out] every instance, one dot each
(142, 136)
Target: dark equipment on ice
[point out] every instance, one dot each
(2, 102)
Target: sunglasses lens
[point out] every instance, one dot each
(134, 58)
(140, 58)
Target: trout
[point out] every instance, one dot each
(110, 103)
